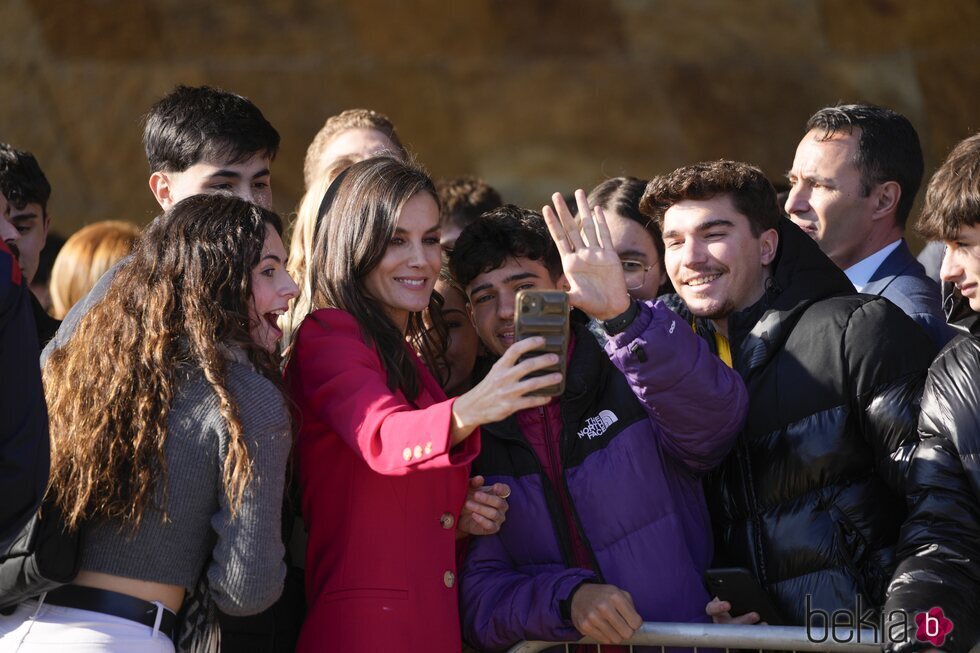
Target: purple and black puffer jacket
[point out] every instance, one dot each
(640, 424)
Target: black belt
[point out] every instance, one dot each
(115, 604)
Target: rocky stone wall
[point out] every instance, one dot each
(533, 95)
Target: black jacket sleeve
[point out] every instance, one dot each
(939, 546)
(887, 369)
(24, 452)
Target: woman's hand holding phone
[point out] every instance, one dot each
(504, 390)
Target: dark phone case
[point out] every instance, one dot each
(544, 313)
(737, 586)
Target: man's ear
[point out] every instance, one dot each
(161, 189)
(469, 311)
(45, 226)
(561, 283)
(887, 197)
(768, 243)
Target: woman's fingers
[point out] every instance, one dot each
(532, 401)
(533, 364)
(537, 382)
(519, 348)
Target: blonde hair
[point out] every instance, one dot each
(85, 257)
(314, 166)
(301, 248)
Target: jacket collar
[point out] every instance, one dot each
(899, 263)
(959, 315)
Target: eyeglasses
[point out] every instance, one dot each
(635, 273)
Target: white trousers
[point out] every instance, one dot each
(49, 628)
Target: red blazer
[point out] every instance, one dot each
(381, 493)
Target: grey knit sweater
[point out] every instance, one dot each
(244, 554)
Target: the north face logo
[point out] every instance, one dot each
(596, 426)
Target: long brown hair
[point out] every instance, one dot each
(181, 300)
(356, 221)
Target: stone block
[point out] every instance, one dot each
(438, 32)
(22, 42)
(533, 95)
(594, 123)
(298, 102)
(747, 112)
(100, 29)
(880, 26)
(429, 32)
(706, 31)
(99, 109)
(32, 120)
(257, 35)
(950, 105)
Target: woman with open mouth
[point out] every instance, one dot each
(169, 439)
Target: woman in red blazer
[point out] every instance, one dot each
(383, 456)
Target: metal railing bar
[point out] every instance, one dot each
(732, 636)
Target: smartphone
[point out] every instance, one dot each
(740, 588)
(544, 313)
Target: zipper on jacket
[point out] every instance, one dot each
(561, 489)
(565, 493)
(742, 455)
(552, 500)
(744, 466)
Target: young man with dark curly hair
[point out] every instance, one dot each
(609, 525)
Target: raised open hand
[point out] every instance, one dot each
(591, 266)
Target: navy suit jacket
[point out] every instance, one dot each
(903, 281)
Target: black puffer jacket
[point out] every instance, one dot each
(810, 499)
(939, 547)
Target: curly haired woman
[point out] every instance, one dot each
(169, 439)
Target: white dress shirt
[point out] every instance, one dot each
(860, 273)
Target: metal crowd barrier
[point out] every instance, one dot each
(729, 637)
